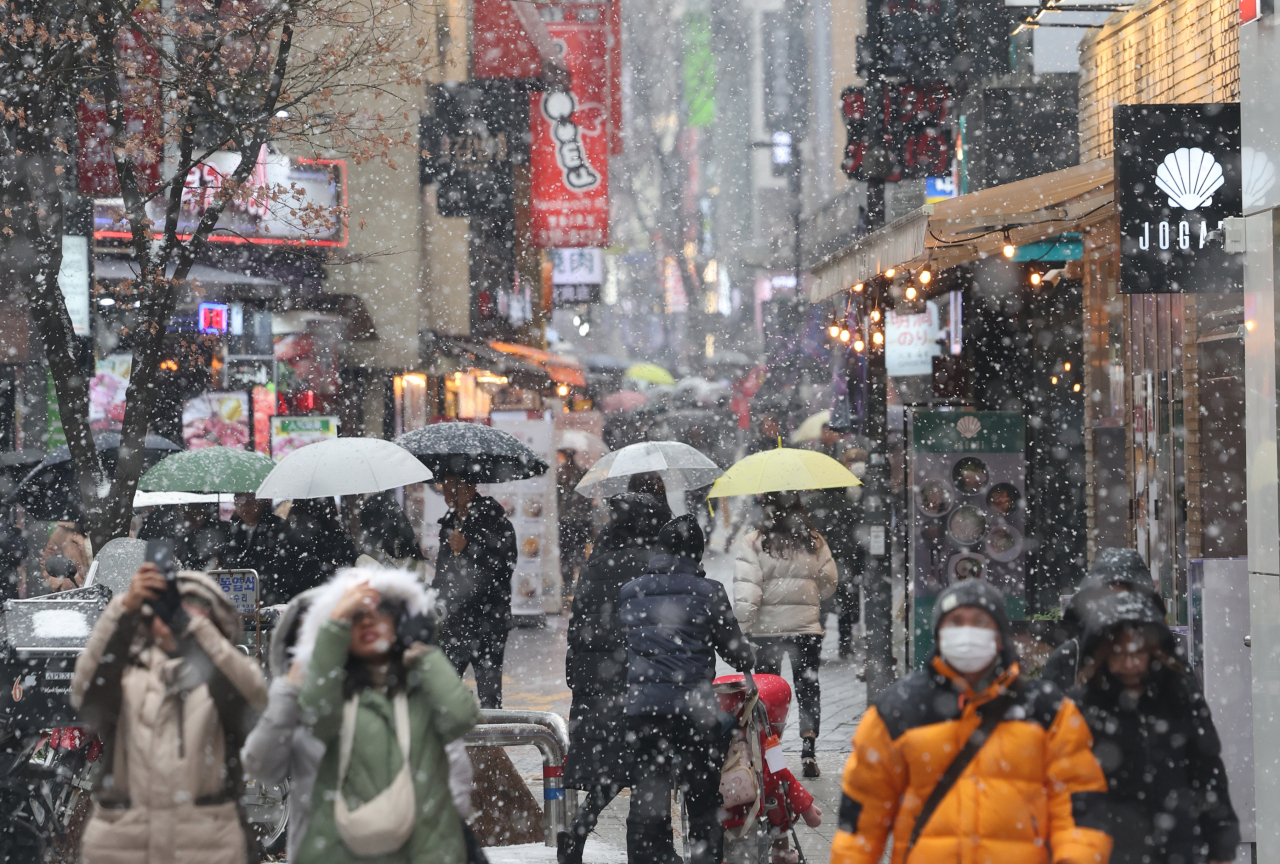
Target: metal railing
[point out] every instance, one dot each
(548, 732)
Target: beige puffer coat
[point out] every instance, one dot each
(781, 596)
(168, 795)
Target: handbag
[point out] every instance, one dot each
(382, 824)
(737, 780)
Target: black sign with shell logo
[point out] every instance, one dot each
(1177, 179)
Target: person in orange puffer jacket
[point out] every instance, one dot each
(1032, 794)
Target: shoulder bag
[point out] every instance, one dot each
(382, 824)
(991, 717)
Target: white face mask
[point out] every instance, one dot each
(967, 649)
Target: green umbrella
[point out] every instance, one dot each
(209, 469)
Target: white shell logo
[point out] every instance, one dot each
(968, 426)
(1189, 176)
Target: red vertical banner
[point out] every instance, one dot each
(569, 150)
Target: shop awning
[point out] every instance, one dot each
(443, 355)
(561, 370)
(973, 226)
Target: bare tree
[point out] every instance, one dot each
(220, 75)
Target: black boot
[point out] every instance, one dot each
(808, 758)
(651, 842)
(569, 846)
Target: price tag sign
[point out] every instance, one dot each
(241, 589)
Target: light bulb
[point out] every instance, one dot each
(1035, 278)
(857, 289)
(563, 389)
(834, 330)
(911, 292)
(888, 274)
(1053, 380)
(925, 277)
(858, 345)
(844, 335)
(1075, 388)
(875, 315)
(877, 337)
(1009, 249)
(1066, 367)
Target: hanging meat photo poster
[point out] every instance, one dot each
(569, 151)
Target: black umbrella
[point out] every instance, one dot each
(481, 454)
(51, 492)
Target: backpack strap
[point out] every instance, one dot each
(992, 713)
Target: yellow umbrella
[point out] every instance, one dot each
(783, 470)
(650, 372)
(810, 429)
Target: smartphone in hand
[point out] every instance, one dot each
(169, 604)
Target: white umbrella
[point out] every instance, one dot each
(680, 466)
(587, 447)
(343, 466)
(164, 499)
(811, 428)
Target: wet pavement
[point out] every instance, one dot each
(534, 679)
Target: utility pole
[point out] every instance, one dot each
(878, 576)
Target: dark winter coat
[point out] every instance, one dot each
(596, 662)
(572, 506)
(1167, 796)
(475, 584)
(676, 620)
(197, 548)
(311, 552)
(1112, 569)
(388, 534)
(262, 550)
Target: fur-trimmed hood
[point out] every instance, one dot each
(194, 583)
(392, 584)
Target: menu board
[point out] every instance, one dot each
(531, 507)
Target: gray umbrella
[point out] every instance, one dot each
(479, 453)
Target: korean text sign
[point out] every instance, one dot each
(569, 151)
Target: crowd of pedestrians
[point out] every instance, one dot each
(1110, 754)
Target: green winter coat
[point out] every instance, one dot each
(441, 709)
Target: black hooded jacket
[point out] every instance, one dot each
(1168, 797)
(676, 620)
(596, 662)
(475, 584)
(1113, 569)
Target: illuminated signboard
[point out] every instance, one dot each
(212, 317)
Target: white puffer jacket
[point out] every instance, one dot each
(781, 596)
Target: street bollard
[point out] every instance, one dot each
(555, 816)
(552, 721)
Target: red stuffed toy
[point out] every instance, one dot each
(784, 798)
